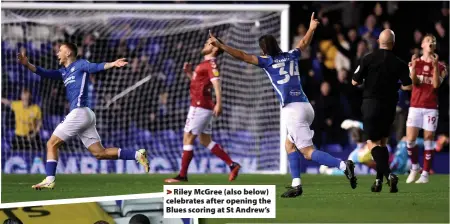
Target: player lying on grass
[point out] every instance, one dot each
(282, 70)
(199, 119)
(81, 120)
(427, 74)
(362, 154)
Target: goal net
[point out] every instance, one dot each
(145, 104)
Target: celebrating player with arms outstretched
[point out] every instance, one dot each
(201, 112)
(282, 70)
(81, 119)
(427, 75)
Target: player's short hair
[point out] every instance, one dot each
(220, 51)
(72, 47)
(139, 219)
(269, 45)
(433, 38)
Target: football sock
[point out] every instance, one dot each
(186, 159)
(326, 159)
(387, 169)
(381, 157)
(294, 166)
(217, 150)
(413, 154)
(427, 160)
(296, 182)
(126, 154)
(50, 169)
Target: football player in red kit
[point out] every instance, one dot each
(427, 74)
(199, 119)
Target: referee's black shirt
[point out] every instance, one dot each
(380, 71)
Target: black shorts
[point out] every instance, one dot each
(378, 116)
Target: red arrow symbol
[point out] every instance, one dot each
(169, 192)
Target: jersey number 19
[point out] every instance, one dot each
(287, 75)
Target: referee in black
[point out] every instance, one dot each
(380, 72)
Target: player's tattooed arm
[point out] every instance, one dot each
(306, 40)
(236, 53)
(412, 70)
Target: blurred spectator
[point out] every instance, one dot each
(441, 27)
(305, 58)
(369, 31)
(28, 121)
(360, 52)
(327, 116)
(381, 16)
(342, 62)
(417, 41)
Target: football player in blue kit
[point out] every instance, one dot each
(81, 119)
(282, 70)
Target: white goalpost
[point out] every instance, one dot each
(145, 105)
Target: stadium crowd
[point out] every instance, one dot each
(348, 31)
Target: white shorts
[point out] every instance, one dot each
(298, 118)
(80, 122)
(199, 120)
(423, 118)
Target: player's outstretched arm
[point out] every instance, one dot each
(6, 102)
(98, 67)
(306, 40)
(51, 74)
(236, 53)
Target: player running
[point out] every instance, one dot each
(81, 120)
(427, 74)
(201, 112)
(282, 70)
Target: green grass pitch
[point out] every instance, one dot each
(324, 199)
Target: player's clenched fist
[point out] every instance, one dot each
(187, 67)
(22, 58)
(435, 60)
(413, 61)
(313, 23)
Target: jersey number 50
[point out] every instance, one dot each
(287, 75)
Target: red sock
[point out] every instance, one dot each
(427, 159)
(185, 161)
(413, 154)
(218, 151)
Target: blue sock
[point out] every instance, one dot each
(127, 154)
(294, 164)
(324, 158)
(50, 168)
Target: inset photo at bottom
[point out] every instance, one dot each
(132, 211)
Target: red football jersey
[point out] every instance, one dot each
(201, 84)
(424, 95)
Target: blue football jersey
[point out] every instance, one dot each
(282, 71)
(76, 80)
